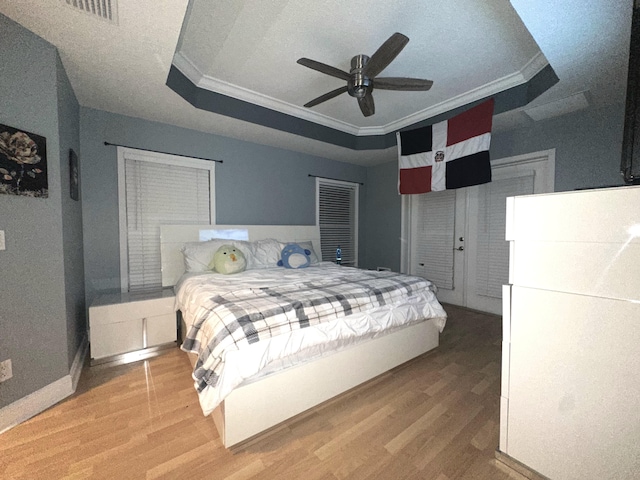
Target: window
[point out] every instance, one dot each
(156, 189)
(337, 217)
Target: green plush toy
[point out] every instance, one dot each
(228, 259)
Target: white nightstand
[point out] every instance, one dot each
(125, 327)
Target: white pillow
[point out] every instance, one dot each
(263, 254)
(198, 255)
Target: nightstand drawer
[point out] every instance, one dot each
(123, 324)
(109, 339)
(161, 329)
(131, 310)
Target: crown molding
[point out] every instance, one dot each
(533, 67)
(530, 70)
(200, 80)
(189, 70)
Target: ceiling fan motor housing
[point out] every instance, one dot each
(359, 84)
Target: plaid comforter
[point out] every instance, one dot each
(240, 316)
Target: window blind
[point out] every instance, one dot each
(434, 224)
(493, 250)
(338, 220)
(159, 194)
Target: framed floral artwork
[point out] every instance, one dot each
(23, 163)
(74, 175)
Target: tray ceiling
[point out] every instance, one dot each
(247, 51)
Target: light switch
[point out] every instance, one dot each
(2, 245)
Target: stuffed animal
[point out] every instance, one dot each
(228, 259)
(294, 256)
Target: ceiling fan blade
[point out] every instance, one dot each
(401, 83)
(326, 96)
(367, 107)
(324, 68)
(385, 54)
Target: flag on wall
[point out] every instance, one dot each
(446, 155)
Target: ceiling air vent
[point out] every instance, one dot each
(102, 9)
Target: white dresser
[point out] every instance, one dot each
(570, 384)
(125, 327)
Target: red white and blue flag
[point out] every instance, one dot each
(446, 155)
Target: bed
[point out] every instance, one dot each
(270, 343)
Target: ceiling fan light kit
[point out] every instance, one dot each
(361, 80)
(358, 84)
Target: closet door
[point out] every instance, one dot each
(487, 255)
(457, 237)
(438, 218)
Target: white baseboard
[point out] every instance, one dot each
(38, 401)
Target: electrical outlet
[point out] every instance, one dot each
(5, 370)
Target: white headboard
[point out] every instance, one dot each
(173, 237)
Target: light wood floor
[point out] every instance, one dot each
(434, 418)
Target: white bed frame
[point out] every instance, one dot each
(259, 406)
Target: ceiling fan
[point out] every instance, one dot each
(362, 78)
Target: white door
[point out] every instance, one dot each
(456, 238)
(437, 229)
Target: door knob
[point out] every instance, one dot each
(461, 239)
(460, 249)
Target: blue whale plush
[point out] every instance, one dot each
(294, 256)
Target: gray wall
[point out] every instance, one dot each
(69, 128)
(255, 184)
(381, 228)
(33, 317)
(588, 147)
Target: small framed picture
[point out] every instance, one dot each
(74, 175)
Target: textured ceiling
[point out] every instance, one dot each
(248, 50)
